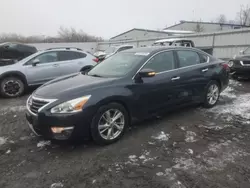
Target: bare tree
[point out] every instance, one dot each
(243, 16)
(72, 35)
(64, 35)
(198, 28)
(221, 19)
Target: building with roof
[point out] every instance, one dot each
(139, 34)
(203, 26)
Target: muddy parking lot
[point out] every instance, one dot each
(190, 148)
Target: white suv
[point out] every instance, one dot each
(42, 67)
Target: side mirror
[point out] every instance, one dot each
(35, 62)
(146, 73)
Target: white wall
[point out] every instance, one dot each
(225, 44)
(138, 34)
(187, 26)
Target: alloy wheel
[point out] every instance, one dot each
(12, 88)
(213, 94)
(111, 124)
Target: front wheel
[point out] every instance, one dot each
(212, 94)
(11, 87)
(109, 124)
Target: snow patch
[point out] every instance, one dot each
(239, 107)
(190, 136)
(43, 143)
(234, 83)
(162, 137)
(56, 185)
(3, 140)
(190, 151)
(216, 127)
(228, 92)
(8, 152)
(14, 109)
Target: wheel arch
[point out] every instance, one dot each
(14, 74)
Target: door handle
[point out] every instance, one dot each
(204, 70)
(55, 65)
(175, 78)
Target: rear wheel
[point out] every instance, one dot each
(12, 87)
(109, 124)
(212, 94)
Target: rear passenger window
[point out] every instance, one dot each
(67, 55)
(81, 55)
(188, 58)
(161, 62)
(204, 58)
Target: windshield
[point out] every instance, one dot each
(110, 50)
(247, 50)
(117, 66)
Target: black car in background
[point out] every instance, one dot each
(12, 52)
(131, 85)
(240, 65)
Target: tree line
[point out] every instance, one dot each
(64, 35)
(242, 18)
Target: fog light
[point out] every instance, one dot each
(59, 130)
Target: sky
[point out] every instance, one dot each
(107, 18)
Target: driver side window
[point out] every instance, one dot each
(161, 62)
(48, 57)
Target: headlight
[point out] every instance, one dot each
(71, 106)
(230, 63)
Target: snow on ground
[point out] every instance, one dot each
(239, 107)
(162, 136)
(56, 185)
(217, 157)
(228, 92)
(13, 109)
(43, 143)
(190, 136)
(2, 140)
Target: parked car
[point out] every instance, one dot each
(11, 52)
(42, 67)
(111, 51)
(180, 42)
(240, 64)
(128, 86)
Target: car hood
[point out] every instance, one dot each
(71, 85)
(245, 57)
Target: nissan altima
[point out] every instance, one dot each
(131, 85)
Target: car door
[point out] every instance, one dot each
(191, 81)
(158, 92)
(45, 69)
(71, 61)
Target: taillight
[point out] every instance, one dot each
(96, 60)
(225, 66)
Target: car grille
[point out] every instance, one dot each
(36, 104)
(246, 62)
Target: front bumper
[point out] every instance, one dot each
(240, 71)
(77, 125)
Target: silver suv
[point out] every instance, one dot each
(42, 67)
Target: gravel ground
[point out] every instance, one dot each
(189, 148)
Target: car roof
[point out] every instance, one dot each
(172, 40)
(155, 49)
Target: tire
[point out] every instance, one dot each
(18, 87)
(98, 119)
(207, 102)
